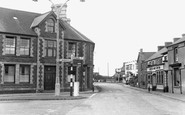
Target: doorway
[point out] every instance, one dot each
(49, 77)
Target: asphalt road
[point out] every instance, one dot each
(120, 100)
(114, 99)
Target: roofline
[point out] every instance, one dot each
(18, 34)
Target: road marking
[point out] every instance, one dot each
(92, 95)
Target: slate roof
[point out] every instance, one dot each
(21, 22)
(16, 21)
(178, 41)
(144, 55)
(158, 54)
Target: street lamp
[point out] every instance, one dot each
(58, 11)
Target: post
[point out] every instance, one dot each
(57, 83)
(71, 82)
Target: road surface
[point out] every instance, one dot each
(114, 99)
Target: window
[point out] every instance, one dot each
(51, 48)
(9, 73)
(24, 72)
(176, 54)
(71, 50)
(24, 46)
(9, 45)
(50, 25)
(176, 77)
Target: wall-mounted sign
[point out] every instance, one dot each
(155, 68)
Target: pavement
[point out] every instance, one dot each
(174, 96)
(47, 96)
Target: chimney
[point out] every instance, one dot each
(175, 39)
(160, 47)
(167, 43)
(141, 50)
(183, 35)
(62, 14)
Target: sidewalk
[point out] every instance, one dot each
(46, 96)
(178, 97)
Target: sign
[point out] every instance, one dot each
(65, 60)
(155, 68)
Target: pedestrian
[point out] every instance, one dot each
(149, 87)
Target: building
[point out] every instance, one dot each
(142, 67)
(28, 55)
(130, 71)
(176, 60)
(157, 67)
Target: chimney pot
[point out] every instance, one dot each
(160, 47)
(167, 43)
(175, 39)
(141, 50)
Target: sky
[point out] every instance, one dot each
(119, 28)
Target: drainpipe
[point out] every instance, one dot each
(180, 81)
(172, 80)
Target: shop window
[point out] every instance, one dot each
(9, 73)
(9, 45)
(24, 72)
(71, 50)
(50, 48)
(24, 46)
(50, 25)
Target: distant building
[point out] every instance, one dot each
(157, 68)
(142, 67)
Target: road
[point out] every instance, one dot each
(119, 100)
(114, 99)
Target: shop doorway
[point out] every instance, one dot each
(49, 77)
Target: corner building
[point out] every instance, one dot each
(28, 52)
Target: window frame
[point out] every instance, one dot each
(24, 73)
(10, 47)
(72, 51)
(24, 38)
(50, 25)
(8, 74)
(52, 48)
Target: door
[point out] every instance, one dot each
(49, 77)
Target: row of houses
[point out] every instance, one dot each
(164, 69)
(28, 52)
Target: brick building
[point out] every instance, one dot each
(142, 67)
(28, 52)
(176, 60)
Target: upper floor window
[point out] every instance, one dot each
(71, 49)
(176, 54)
(50, 25)
(10, 45)
(24, 46)
(51, 48)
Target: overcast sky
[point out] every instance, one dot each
(119, 28)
